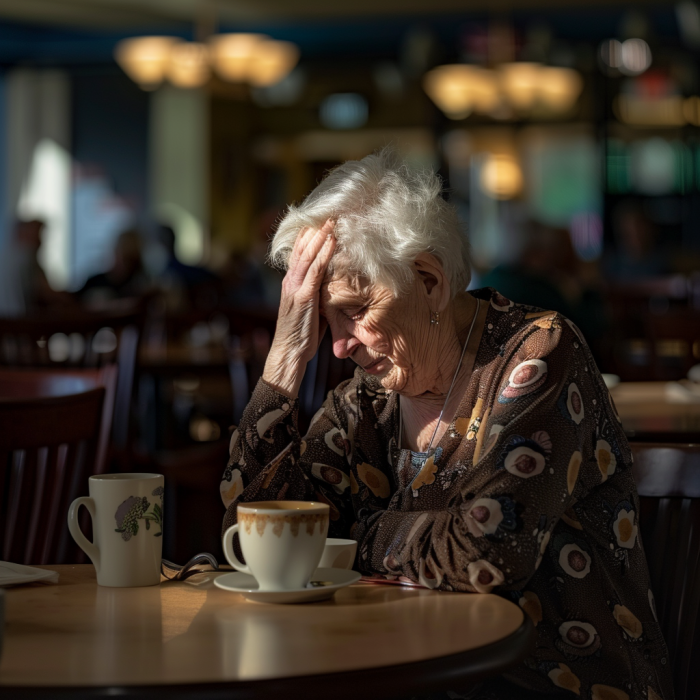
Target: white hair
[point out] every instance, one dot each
(386, 215)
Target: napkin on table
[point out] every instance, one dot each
(14, 574)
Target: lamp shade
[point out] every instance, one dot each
(449, 87)
(485, 89)
(145, 59)
(520, 82)
(188, 66)
(232, 54)
(501, 177)
(272, 61)
(559, 88)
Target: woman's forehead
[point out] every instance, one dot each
(344, 285)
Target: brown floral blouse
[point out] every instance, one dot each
(530, 496)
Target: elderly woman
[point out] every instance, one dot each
(476, 449)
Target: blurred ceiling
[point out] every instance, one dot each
(123, 14)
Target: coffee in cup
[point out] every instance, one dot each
(127, 522)
(282, 542)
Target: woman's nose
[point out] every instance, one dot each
(344, 344)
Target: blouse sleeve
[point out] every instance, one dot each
(269, 460)
(536, 459)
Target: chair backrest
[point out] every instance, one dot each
(675, 342)
(323, 374)
(79, 339)
(46, 382)
(645, 340)
(668, 482)
(48, 449)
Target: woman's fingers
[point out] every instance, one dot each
(311, 250)
(317, 270)
(302, 239)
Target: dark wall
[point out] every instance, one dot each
(110, 131)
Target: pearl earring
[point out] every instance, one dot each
(434, 318)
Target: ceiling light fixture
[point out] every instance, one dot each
(458, 89)
(188, 65)
(145, 59)
(253, 58)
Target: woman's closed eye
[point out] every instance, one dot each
(356, 314)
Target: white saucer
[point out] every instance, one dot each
(324, 583)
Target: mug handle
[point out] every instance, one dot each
(83, 542)
(229, 553)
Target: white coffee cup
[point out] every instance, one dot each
(127, 525)
(282, 542)
(338, 554)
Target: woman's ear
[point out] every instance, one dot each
(434, 282)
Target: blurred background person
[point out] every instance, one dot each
(126, 277)
(24, 288)
(548, 274)
(184, 286)
(637, 254)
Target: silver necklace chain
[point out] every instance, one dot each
(428, 453)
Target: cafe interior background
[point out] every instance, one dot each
(159, 142)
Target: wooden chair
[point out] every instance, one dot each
(194, 511)
(48, 449)
(323, 374)
(675, 345)
(79, 339)
(46, 382)
(668, 481)
(639, 346)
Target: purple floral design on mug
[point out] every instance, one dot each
(135, 508)
(128, 515)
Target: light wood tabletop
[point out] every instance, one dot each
(79, 635)
(658, 407)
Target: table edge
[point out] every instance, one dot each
(446, 672)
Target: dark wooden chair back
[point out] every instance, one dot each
(192, 479)
(79, 339)
(668, 482)
(243, 336)
(639, 346)
(46, 382)
(675, 342)
(48, 449)
(323, 374)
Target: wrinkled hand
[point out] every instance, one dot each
(300, 328)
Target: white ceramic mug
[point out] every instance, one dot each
(338, 554)
(127, 525)
(282, 542)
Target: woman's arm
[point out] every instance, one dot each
(269, 460)
(538, 458)
(267, 440)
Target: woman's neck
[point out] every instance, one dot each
(420, 414)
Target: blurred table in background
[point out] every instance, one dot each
(174, 359)
(30, 384)
(659, 411)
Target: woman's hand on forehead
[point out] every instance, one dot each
(300, 326)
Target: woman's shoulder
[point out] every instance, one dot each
(509, 322)
(529, 341)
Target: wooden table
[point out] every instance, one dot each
(658, 411)
(42, 383)
(77, 639)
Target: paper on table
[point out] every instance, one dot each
(14, 574)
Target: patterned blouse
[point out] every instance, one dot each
(530, 496)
